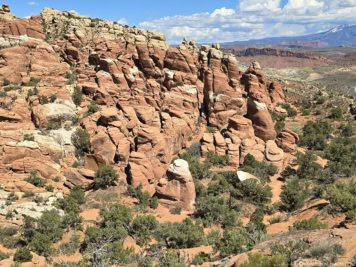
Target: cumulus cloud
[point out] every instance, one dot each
(123, 21)
(256, 19)
(33, 4)
(260, 5)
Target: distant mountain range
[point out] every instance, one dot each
(341, 35)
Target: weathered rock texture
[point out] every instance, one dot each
(151, 99)
(179, 186)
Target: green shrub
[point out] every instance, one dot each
(41, 244)
(53, 98)
(252, 191)
(154, 203)
(53, 125)
(261, 170)
(291, 111)
(305, 112)
(192, 156)
(109, 235)
(256, 221)
(31, 92)
(184, 234)
(28, 194)
(336, 113)
(38, 199)
(234, 241)
(308, 168)
(105, 176)
(201, 258)
(294, 194)
(316, 134)
(176, 210)
(291, 250)
(8, 237)
(76, 164)
(9, 215)
(327, 253)
(81, 142)
(78, 194)
(77, 96)
(50, 224)
(23, 255)
(211, 129)
(92, 108)
(11, 88)
(33, 82)
(258, 260)
(44, 100)
(342, 198)
(276, 219)
(216, 160)
(72, 78)
(220, 185)
(69, 248)
(276, 117)
(29, 137)
(12, 196)
(279, 126)
(75, 120)
(199, 170)
(215, 210)
(4, 255)
(6, 82)
(308, 224)
(341, 154)
(116, 216)
(49, 188)
(142, 228)
(171, 259)
(36, 180)
(320, 100)
(347, 130)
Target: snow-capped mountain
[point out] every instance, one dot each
(341, 35)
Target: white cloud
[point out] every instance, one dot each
(123, 21)
(256, 19)
(259, 5)
(33, 4)
(304, 7)
(223, 12)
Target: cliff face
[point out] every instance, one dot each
(151, 99)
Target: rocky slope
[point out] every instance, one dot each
(143, 102)
(151, 99)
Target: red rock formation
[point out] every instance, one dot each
(150, 100)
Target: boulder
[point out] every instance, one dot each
(179, 187)
(288, 141)
(273, 153)
(53, 113)
(243, 176)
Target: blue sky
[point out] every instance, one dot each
(209, 20)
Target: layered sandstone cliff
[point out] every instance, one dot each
(151, 97)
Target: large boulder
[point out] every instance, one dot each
(53, 113)
(288, 140)
(178, 187)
